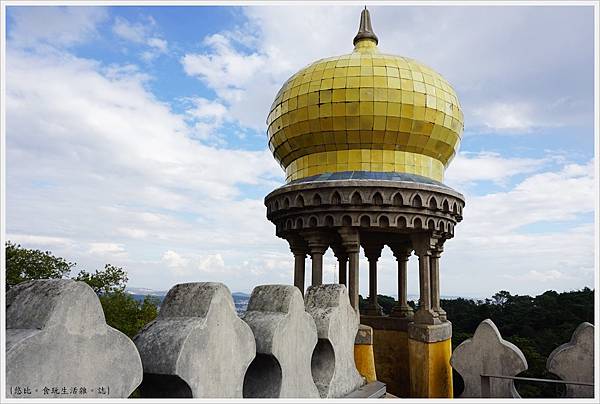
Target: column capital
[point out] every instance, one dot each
(298, 246)
(402, 251)
(340, 252)
(373, 250)
(317, 241)
(423, 243)
(350, 239)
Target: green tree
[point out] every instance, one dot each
(121, 310)
(126, 314)
(110, 279)
(23, 264)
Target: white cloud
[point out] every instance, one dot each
(207, 117)
(551, 197)
(539, 276)
(134, 32)
(497, 77)
(106, 248)
(127, 177)
(174, 260)
(469, 168)
(510, 117)
(36, 240)
(36, 26)
(141, 33)
(121, 166)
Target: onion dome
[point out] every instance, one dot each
(365, 111)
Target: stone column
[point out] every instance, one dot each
(423, 248)
(343, 270)
(351, 244)
(317, 245)
(402, 309)
(373, 252)
(299, 248)
(342, 258)
(435, 281)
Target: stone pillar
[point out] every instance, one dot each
(299, 248)
(343, 270)
(402, 254)
(317, 245)
(351, 244)
(435, 281)
(373, 252)
(423, 247)
(342, 258)
(429, 340)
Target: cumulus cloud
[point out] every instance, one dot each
(99, 169)
(141, 33)
(56, 26)
(496, 76)
(470, 167)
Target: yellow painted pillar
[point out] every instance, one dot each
(363, 353)
(429, 351)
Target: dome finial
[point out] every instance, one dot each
(365, 30)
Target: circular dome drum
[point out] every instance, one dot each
(365, 111)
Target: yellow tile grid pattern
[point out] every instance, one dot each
(365, 100)
(365, 160)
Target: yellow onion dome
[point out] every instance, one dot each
(365, 111)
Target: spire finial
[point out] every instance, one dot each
(365, 30)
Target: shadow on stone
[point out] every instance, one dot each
(323, 365)
(263, 378)
(164, 386)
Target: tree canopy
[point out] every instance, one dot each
(121, 310)
(23, 264)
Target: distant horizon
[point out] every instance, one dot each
(411, 297)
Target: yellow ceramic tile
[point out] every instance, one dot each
(397, 107)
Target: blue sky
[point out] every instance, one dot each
(135, 136)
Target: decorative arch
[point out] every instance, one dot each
(317, 200)
(446, 206)
(365, 221)
(433, 205)
(346, 220)
(356, 199)
(417, 223)
(384, 221)
(336, 198)
(299, 201)
(377, 198)
(416, 201)
(397, 199)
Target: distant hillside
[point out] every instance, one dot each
(240, 299)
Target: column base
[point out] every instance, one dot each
(429, 351)
(363, 353)
(373, 310)
(426, 316)
(402, 312)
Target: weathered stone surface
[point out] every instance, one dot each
(488, 353)
(197, 347)
(285, 336)
(574, 361)
(333, 367)
(56, 336)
